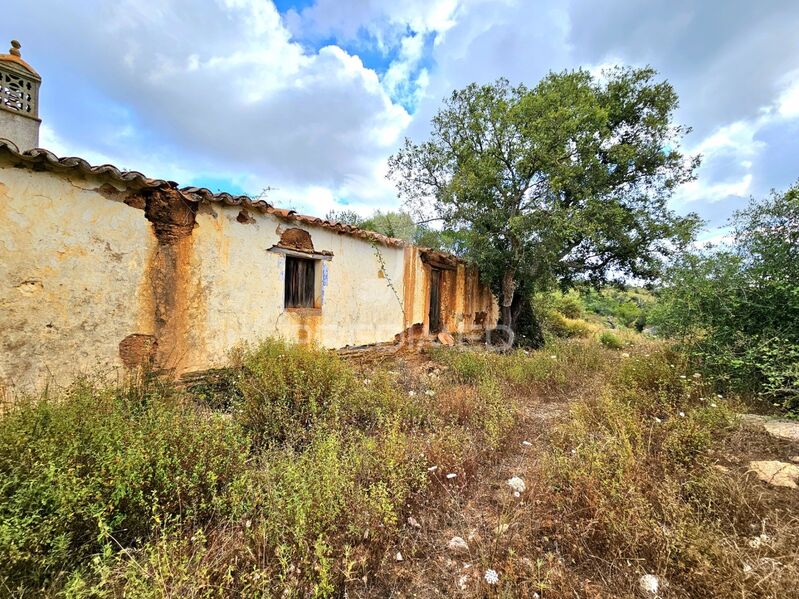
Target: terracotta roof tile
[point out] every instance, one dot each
(39, 158)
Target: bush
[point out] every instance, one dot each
(610, 340)
(622, 484)
(100, 468)
(285, 388)
(561, 326)
(736, 309)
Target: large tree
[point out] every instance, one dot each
(566, 181)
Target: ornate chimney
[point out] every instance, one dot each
(19, 100)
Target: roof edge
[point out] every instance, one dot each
(46, 160)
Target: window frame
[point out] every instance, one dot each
(306, 290)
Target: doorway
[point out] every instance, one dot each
(435, 301)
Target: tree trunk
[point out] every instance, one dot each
(526, 325)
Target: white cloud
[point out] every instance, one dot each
(236, 90)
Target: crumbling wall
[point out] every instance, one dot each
(72, 262)
(96, 278)
(243, 284)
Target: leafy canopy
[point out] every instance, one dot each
(568, 180)
(737, 307)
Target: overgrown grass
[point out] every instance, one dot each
(629, 485)
(293, 474)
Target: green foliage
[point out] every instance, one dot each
(345, 217)
(628, 307)
(566, 181)
(560, 326)
(736, 309)
(98, 469)
(610, 340)
(285, 388)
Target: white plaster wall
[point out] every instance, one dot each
(242, 286)
(71, 265)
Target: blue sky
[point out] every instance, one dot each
(310, 98)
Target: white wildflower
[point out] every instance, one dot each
(697, 375)
(682, 414)
(367, 381)
(554, 357)
(411, 393)
(248, 523)
(430, 393)
(625, 355)
(491, 576)
(713, 405)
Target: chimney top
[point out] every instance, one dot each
(19, 100)
(14, 57)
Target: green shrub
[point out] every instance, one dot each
(467, 366)
(610, 340)
(561, 326)
(735, 309)
(98, 469)
(285, 388)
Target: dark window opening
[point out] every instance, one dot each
(300, 282)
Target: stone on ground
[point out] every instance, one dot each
(649, 584)
(446, 339)
(458, 545)
(776, 427)
(776, 473)
(784, 429)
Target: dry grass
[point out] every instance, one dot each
(632, 465)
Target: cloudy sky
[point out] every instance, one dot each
(310, 96)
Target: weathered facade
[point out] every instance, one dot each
(108, 270)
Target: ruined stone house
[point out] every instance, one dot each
(109, 270)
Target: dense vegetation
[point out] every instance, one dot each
(294, 473)
(736, 308)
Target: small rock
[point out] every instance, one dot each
(755, 421)
(451, 475)
(776, 473)
(446, 339)
(414, 522)
(398, 557)
(783, 429)
(517, 484)
(649, 584)
(757, 542)
(458, 545)
(795, 459)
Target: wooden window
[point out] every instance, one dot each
(300, 282)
